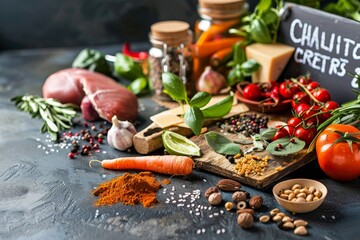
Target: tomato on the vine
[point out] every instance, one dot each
(307, 135)
(337, 157)
(288, 89)
(292, 124)
(305, 80)
(328, 107)
(321, 94)
(313, 85)
(302, 108)
(252, 92)
(298, 98)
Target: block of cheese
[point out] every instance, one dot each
(272, 58)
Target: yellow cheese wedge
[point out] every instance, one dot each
(173, 117)
(272, 58)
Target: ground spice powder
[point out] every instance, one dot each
(129, 189)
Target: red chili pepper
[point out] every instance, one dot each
(136, 55)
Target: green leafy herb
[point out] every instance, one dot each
(287, 146)
(138, 85)
(267, 133)
(56, 116)
(127, 68)
(221, 144)
(92, 60)
(345, 8)
(260, 141)
(194, 117)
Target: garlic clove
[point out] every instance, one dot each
(210, 81)
(120, 135)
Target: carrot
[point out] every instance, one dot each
(166, 164)
(208, 48)
(214, 30)
(219, 56)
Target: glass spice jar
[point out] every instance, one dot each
(170, 52)
(211, 30)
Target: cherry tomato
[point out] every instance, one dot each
(307, 135)
(313, 85)
(300, 97)
(252, 92)
(292, 124)
(321, 94)
(338, 159)
(305, 80)
(302, 108)
(288, 89)
(328, 107)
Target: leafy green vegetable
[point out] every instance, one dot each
(194, 117)
(221, 144)
(56, 116)
(219, 109)
(267, 133)
(138, 85)
(127, 68)
(346, 8)
(287, 147)
(92, 60)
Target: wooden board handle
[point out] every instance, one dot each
(149, 139)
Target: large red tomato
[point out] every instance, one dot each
(337, 159)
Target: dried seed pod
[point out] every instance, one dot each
(238, 196)
(241, 205)
(300, 231)
(264, 218)
(246, 210)
(256, 202)
(228, 185)
(245, 220)
(210, 190)
(229, 206)
(215, 198)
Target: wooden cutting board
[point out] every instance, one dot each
(218, 164)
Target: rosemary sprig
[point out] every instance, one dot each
(56, 116)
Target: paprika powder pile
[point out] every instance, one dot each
(129, 189)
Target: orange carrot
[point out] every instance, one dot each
(219, 56)
(214, 30)
(166, 164)
(208, 48)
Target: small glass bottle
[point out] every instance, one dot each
(216, 18)
(170, 52)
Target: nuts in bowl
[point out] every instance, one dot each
(300, 195)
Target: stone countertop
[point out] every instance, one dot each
(46, 195)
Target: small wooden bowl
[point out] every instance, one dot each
(261, 107)
(295, 206)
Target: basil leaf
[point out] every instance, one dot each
(267, 133)
(264, 5)
(92, 60)
(288, 147)
(270, 17)
(200, 99)
(219, 109)
(194, 119)
(239, 53)
(221, 144)
(127, 68)
(259, 31)
(138, 85)
(249, 67)
(174, 87)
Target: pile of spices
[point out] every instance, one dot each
(251, 164)
(129, 189)
(246, 124)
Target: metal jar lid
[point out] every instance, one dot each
(221, 9)
(172, 33)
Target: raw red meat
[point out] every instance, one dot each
(97, 94)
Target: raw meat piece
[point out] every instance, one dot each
(96, 93)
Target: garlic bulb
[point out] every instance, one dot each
(120, 135)
(210, 81)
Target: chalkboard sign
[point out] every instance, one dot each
(327, 47)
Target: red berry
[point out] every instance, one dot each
(100, 140)
(71, 155)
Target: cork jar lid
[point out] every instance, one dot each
(222, 9)
(172, 33)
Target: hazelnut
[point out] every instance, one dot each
(229, 206)
(210, 190)
(215, 198)
(245, 220)
(239, 196)
(256, 202)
